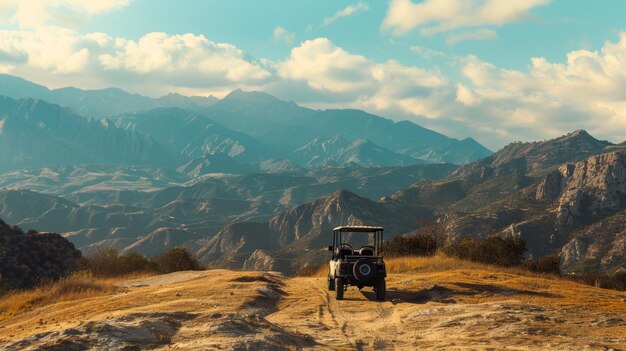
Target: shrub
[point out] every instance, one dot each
(505, 252)
(176, 259)
(545, 264)
(109, 263)
(426, 241)
(616, 281)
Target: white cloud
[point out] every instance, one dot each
(38, 13)
(281, 34)
(361, 82)
(347, 11)
(587, 91)
(433, 16)
(156, 60)
(478, 34)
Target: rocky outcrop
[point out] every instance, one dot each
(260, 260)
(29, 258)
(599, 246)
(552, 184)
(596, 186)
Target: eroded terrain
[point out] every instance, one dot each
(227, 310)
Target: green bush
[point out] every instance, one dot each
(174, 260)
(505, 252)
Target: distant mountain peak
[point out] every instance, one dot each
(239, 95)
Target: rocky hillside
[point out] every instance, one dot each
(296, 237)
(338, 150)
(29, 258)
(527, 190)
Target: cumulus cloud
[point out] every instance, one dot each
(347, 11)
(96, 59)
(323, 66)
(281, 34)
(38, 13)
(478, 34)
(587, 91)
(434, 16)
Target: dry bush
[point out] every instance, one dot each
(615, 281)
(545, 264)
(174, 260)
(426, 241)
(110, 263)
(505, 252)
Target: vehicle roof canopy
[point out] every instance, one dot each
(359, 229)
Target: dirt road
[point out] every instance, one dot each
(422, 315)
(226, 310)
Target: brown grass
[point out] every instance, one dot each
(81, 285)
(432, 264)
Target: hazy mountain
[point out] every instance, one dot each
(281, 165)
(281, 125)
(194, 135)
(255, 112)
(339, 150)
(97, 103)
(34, 133)
(403, 137)
(217, 163)
(90, 178)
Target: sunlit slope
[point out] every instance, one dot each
(434, 303)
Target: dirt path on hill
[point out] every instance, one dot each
(226, 310)
(420, 315)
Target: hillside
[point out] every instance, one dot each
(429, 301)
(549, 193)
(34, 133)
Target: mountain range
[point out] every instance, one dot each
(251, 127)
(251, 181)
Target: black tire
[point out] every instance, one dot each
(364, 270)
(381, 289)
(331, 284)
(339, 288)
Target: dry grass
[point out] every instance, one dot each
(73, 288)
(432, 264)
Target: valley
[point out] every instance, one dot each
(251, 181)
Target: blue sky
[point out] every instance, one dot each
(494, 70)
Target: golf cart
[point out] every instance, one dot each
(357, 267)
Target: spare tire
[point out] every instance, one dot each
(363, 270)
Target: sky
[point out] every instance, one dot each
(494, 70)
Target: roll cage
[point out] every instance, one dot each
(338, 237)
